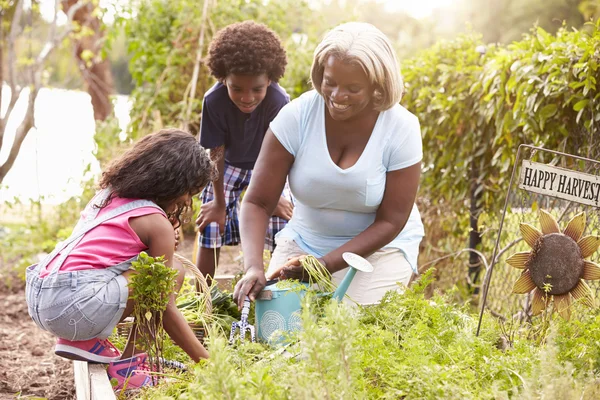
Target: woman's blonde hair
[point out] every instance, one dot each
(366, 45)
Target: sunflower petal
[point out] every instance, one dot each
(563, 305)
(591, 271)
(530, 234)
(548, 223)
(589, 245)
(576, 226)
(539, 301)
(524, 284)
(518, 260)
(582, 291)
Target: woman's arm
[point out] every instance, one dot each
(268, 179)
(399, 197)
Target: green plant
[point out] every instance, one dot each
(151, 287)
(477, 104)
(408, 346)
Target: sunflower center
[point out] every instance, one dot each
(556, 263)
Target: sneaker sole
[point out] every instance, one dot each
(73, 353)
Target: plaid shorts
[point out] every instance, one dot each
(235, 181)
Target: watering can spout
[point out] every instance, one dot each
(344, 284)
(356, 263)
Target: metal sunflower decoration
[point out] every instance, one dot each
(556, 267)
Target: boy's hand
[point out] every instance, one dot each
(211, 212)
(284, 209)
(176, 238)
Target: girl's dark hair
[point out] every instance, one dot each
(246, 48)
(160, 167)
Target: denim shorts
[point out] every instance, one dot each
(78, 305)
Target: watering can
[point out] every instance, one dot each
(278, 310)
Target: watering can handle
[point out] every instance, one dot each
(356, 263)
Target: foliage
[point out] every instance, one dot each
(151, 287)
(40, 230)
(163, 42)
(194, 307)
(476, 109)
(504, 21)
(439, 91)
(408, 346)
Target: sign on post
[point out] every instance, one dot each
(560, 182)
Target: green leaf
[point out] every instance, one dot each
(580, 104)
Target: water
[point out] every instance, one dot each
(55, 154)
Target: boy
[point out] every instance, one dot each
(248, 60)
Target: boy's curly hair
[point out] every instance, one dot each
(160, 167)
(246, 48)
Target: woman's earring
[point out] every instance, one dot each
(377, 95)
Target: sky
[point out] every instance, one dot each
(415, 8)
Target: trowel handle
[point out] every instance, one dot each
(246, 309)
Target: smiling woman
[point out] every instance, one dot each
(353, 158)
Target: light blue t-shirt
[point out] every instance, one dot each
(333, 205)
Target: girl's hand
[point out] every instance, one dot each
(250, 285)
(284, 209)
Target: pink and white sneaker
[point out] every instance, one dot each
(94, 350)
(131, 373)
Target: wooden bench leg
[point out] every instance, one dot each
(91, 382)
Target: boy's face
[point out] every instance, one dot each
(247, 91)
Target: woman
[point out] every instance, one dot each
(353, 158)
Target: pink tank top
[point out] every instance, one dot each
(108, 244)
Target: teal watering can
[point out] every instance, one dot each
(278, 310)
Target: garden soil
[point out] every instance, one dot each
(28, 366)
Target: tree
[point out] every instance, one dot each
(88, 40)
(24, 73)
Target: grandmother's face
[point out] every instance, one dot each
(346, 89)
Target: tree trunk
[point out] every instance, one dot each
(95, 71)
(22, 131)
(474, 234)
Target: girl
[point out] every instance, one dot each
(79, 292)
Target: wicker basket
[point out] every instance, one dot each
(124, 327)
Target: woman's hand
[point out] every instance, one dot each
(250, 285)
(284, 209)
(211, 212)
(293, 269)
